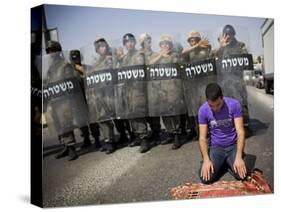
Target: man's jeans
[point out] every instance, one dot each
(222, 159)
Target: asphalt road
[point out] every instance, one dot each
(128, 176)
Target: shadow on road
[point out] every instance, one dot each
(258, 127)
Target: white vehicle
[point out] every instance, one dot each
(267, 30)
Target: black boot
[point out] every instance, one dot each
(86, 143)
(144, 146)
(135, 142)
(63, 153)
(72, 155)
(168, 139)
(132, 137)
(123, 139)
(86, 135)
(177, 143)
(97, 143)
(110, 147)
(193, 133)
(154, 139)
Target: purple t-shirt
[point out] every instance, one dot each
(221, 124)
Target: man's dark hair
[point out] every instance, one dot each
(213, 91)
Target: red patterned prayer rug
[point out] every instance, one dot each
(254, 184)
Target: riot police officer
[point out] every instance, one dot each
(233, 84)
(165, 56)
(199, 49)
(134, 57)
(154, 122)
(75, 58)
(103, 62)
(58, 69)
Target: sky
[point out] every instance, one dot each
(80, 26)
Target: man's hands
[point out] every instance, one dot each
(240, 167)
(207, 169)
(223, 40)
(165, 52)
(79, 69)
(203, 43)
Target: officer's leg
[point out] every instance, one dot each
(86, 135)
(243, 98)
(172, 124)
(136, 140)
(127, 125)
(217, 156)
(246, 119)
(64, 151)
(183, 123)
(193, 127)
(154, 123)
(94, 127)
(120, 127)
(168, 124)
(107, 129)
(68, 141)
(176, 131)
(139, 128)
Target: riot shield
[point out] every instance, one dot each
(99, 84)
(197, 75)
(130, 88)
(165, 90)
(233, 59)
(199, 69)
(62, 95)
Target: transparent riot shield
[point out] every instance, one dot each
(233, 59)
(164, 86)
(62, 94)
(130, 88)
(99, 83)
(199, 69)
(197, 75)
(165, 91)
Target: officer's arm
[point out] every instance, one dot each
(203, 143)
(79, 69)
(239, 126)
(186, 51)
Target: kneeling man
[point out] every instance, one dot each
(221, 118)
